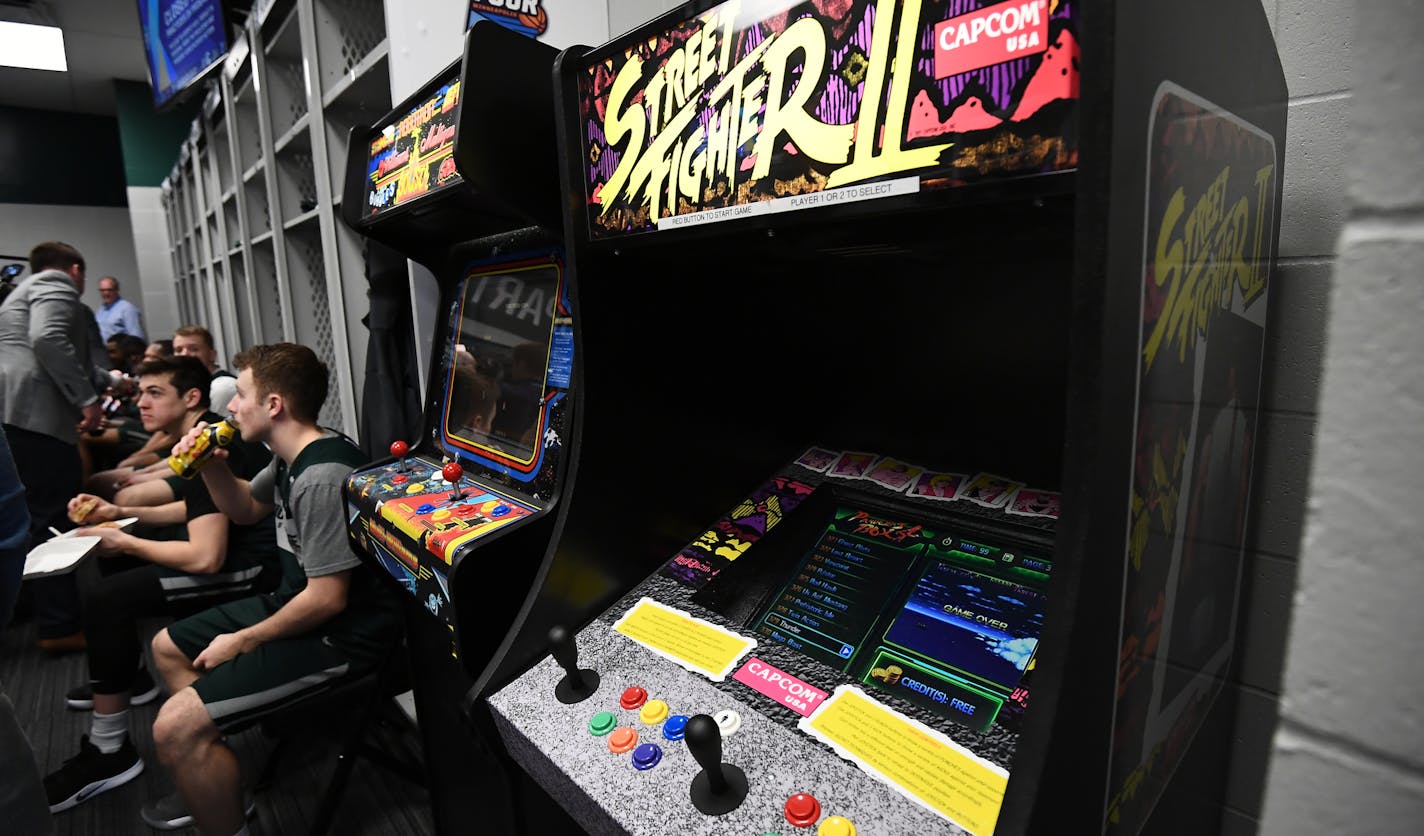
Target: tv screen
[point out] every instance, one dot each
(183, 40)
(947, 621)
(501, 360)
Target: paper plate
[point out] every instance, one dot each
(121, 525)
(58, 556)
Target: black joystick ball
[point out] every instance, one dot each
(720, 787)
(577, 685)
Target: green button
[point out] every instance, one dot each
(602, 723)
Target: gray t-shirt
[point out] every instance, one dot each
(311, 527)
(311, 524)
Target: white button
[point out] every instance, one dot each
(728, 721)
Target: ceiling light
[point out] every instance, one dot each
(32, 47)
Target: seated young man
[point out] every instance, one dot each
(218, 561)
(143, 482)
(332, 617)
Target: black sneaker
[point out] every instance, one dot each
(89, 773)
(170, 813)
(144, 691)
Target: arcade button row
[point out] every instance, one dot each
(720, 787)
(452, 473)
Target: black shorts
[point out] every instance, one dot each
(266, 679)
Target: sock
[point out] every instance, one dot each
(109, 731)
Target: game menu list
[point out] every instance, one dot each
(835, 596)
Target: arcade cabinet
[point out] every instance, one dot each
(881, 286)
(461, 177)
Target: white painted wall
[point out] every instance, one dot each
(426, 35)
(626, 14)
(1348, 756)
(155, 263)
(101, 233)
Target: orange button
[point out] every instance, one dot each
(836, 826)
(802, 809)
(622, 740)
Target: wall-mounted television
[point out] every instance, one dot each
(183, 41)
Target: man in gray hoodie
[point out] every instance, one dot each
(51, 377)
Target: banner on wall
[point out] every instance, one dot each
(527, 17)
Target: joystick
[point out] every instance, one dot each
(720, 787)
(399, 449)
(453, 473)
(577, 685)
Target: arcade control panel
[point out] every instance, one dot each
(418, 516)
(832, 656)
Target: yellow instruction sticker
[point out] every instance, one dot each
(700, 646)
(919, 762)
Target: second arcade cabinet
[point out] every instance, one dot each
(462, 178)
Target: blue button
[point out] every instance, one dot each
(647, 756)
(499, 511)
(673, 727)
(425, 509)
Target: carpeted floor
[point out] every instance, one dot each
(375, 801)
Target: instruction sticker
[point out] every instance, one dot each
(700, 646)
(918, 762)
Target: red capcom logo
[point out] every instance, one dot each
(992, 35)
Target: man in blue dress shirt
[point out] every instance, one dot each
(117, 315)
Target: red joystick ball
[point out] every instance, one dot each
(452, 472)
(399, 448)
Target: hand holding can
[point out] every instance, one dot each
(199, 446)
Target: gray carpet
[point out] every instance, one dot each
(375, 802)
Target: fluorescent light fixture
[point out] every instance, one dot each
(32, 47)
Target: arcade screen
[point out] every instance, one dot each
(498, 369)
(182, 40)
(945, 621)
(413, 155)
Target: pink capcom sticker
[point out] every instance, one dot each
(780, 686)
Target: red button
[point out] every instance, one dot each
(465, 511)
(400, 479)
(802, 809)
(633, 697)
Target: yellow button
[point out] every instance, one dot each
(654, 712)
(414, 489)
(441, 514)
(836, 826)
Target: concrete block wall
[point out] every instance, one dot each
(1348, 752)
(1315, 45)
